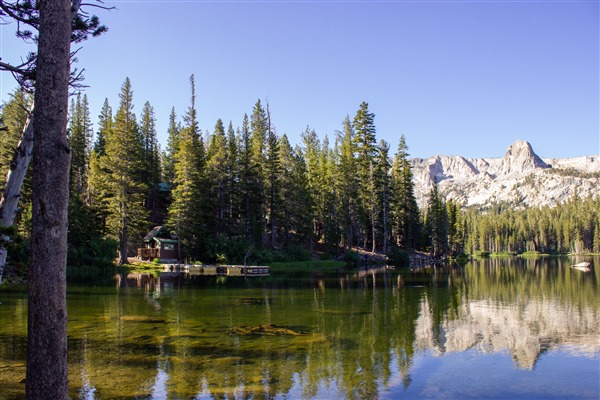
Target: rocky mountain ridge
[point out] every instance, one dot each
(520, 178)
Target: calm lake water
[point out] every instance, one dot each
(499, 328)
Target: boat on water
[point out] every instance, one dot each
(582, 266)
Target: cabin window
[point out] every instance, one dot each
(169, 247)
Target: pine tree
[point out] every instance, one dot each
(13, 117)
(327, 207)
(80, 140)
(437, 222)
(384, 167)
(186, 214)
(347, 182)
(46, 372)
(105, 123)
(171, 149)
(151, 156)
(124, 185)
(364, 141)
(246, 177)
(311, 150)
(97, 175)
(272, 175)
(405, 210)
(232, 189)
(596, 243)
(85, 230)
(216, 174)
(259, 128)
(454, 231)
(295, 210)
(190, 120)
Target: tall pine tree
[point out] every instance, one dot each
(311, 150)
(347, 182)
(151, 156)
(258, 129)
(171, 149)
(384, 193)
(232, 187)
(124, 185)
(80, 140)
(364, 139)
(186, 214)
(216, 175)
(436, 221)
(105, 122)
(405, 211)
(272, 175)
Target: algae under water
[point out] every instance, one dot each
(498, 328)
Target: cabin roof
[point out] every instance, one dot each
(164, 240)
(158, 232)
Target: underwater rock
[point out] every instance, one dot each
(266, 330)
(143, 319)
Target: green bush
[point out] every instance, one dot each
(351, 258)
(222, 250)
(398, 257)
(532, 254)
(297, 253)
(462, 259)
(481, 254)
(97, 252)
(502, 254)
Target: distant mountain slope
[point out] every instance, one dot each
(521, 178)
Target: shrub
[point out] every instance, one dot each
(297, 253)
(351, 258)
(481, 254)
(398, 257)
(462, 259)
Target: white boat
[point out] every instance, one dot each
(582, 266)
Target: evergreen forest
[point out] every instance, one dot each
(245, 194)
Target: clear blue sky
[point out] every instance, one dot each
(456, 77)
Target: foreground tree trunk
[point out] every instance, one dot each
(14, 182)
(46, 376)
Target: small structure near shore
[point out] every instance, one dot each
(160, 244)
(219, 270)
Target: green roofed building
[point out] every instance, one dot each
(159, 243)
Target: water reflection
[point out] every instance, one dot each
(525, 329)
(336, 333)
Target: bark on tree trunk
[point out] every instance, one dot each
(385, 228)
(123, 245)
(14, 181)
(46, 376)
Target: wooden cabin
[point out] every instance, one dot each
(159, 243)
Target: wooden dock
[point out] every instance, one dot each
(218, 270)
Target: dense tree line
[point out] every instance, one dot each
(231, 193)
(247, 192)
(572, 227)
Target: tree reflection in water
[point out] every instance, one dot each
(168, 336)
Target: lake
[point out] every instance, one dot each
(506, 328)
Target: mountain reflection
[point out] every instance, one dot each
(318, 334)
(526, 329)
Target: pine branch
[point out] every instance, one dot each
(82, 27)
